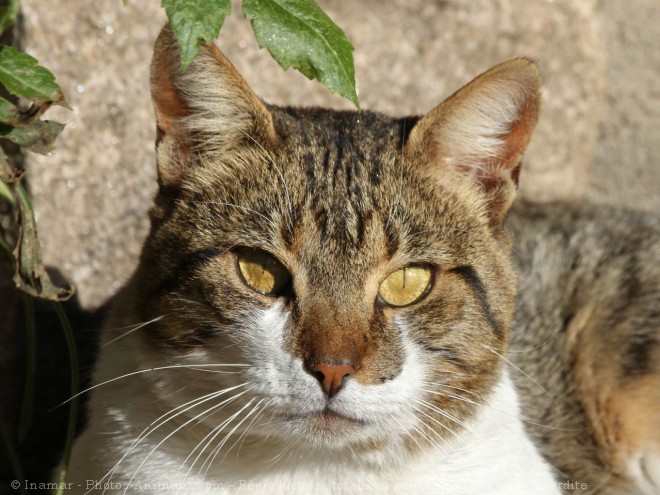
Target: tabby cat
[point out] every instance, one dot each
(326, 298)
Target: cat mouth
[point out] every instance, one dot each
(327, 419)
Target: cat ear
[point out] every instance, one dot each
(483, 129)
(204, 108)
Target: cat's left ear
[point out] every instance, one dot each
(482, 130)
(206, 107)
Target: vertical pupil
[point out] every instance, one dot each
(404, 277)
(263, 264)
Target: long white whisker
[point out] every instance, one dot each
(243, 435)
(430, 439)
(160, 421)
(168, 436)
(442, 413)
(210, 436)
(195, 367)
(436, 421)
(134, 328)
(452, 396)
(518, 369)
(256, 410)
(217, 449)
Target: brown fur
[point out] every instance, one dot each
(588, 332)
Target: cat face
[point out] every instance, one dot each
(345, 272)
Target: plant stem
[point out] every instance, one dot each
(27, 407)
(75, 386)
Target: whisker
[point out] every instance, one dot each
(443, 413)
(134, 328)
(164, 419)
(436, 421)
(194, 367)
(521, 371)
(167, 437)
(217, 449)
(212, 434)
(453, 396)
(242, 436)
(426, 435)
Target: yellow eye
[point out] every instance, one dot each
(406, 285)
(262, 272)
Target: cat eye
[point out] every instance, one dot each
(406, 286)
(262, 272)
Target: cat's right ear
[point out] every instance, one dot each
(482, 131)
(204, 108)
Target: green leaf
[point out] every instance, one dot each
(8, 14)
(22, 75)
(5, 193)
(6, 176)
(195, 22)
(38, 136)
(31, 275)
(298, 34)
(8, 112)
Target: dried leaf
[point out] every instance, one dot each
(31, 275)
(38, 137)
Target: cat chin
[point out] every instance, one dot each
(329, 430)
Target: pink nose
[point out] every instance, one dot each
(331, 376)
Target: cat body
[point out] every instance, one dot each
(587, 337)
(325, 298)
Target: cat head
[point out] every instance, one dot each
(348, 271)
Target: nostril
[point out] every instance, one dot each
(331, 376)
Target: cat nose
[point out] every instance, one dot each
(331, 376)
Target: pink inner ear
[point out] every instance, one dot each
(517, 139)
(503, 167)
(168, 103)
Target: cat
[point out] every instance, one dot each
(325, 301)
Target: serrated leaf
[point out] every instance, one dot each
(22, 75)
(38, 137)
(298, 34)
(31, 275)
(8, 14)
(194, 22)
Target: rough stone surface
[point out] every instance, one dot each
(597, 137)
